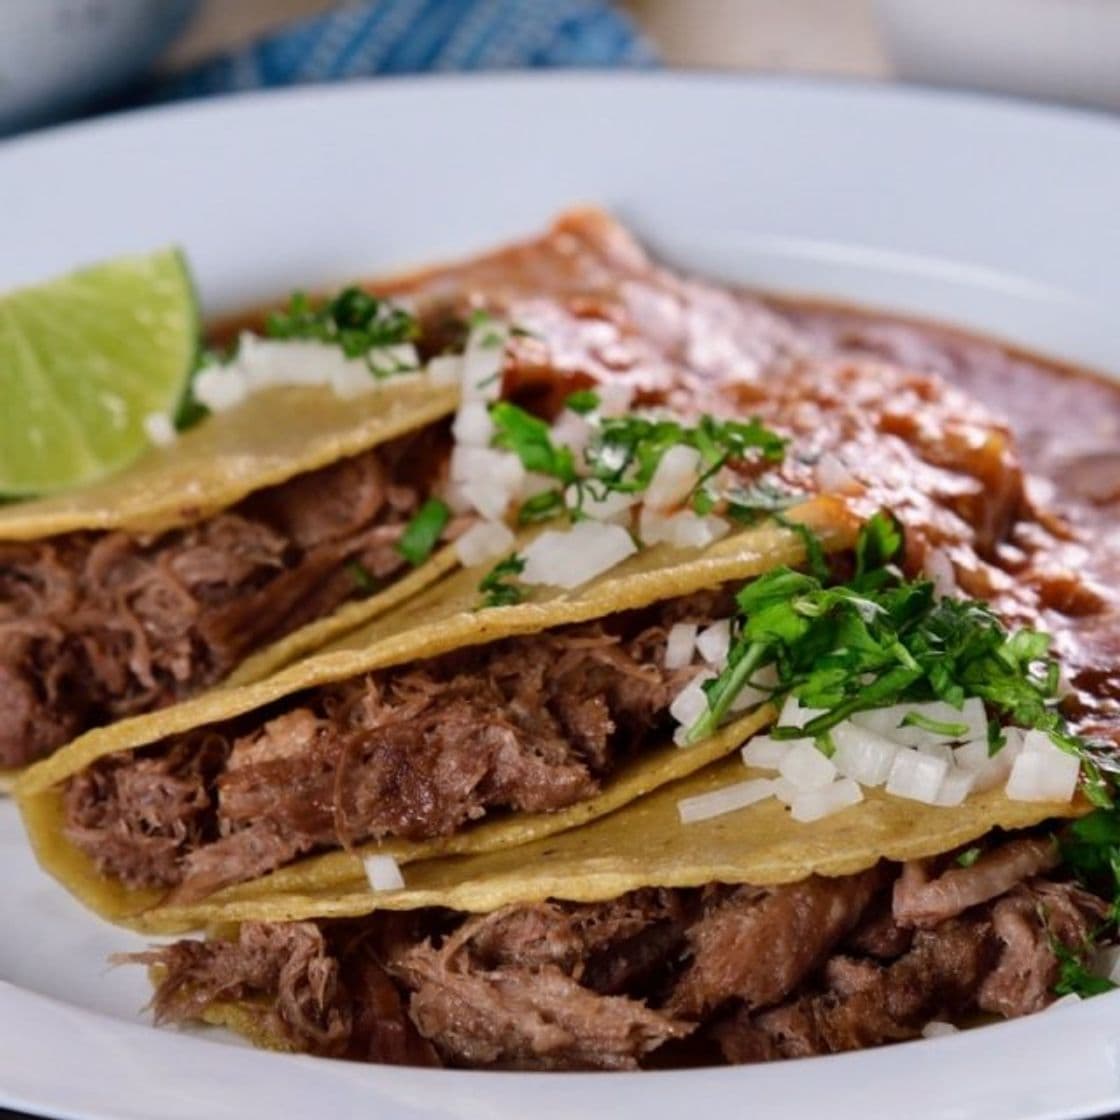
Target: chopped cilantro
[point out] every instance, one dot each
(353, 320)
(541, 507)
(968, 857)
(583, 401)
(747, 504)
(423, 531)
(1091, 849)
(498, 587)
(880, 639)
(1073, 976)
(937, 726)
(531, 440)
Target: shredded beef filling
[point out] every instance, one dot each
(97, 626)
(531, 724)
(654, 978)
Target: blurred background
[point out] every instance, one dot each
(65, 58)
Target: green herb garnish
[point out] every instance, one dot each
(583, 401)
(1091, 849)
(423, 532)
(498, 587)
(357, 322)
(968, 857)
(880, 639)
(937, 726)
(1074, 978)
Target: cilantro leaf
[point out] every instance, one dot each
(583, 401)
(423, 532)
(498, 587)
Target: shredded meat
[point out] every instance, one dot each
(923, 902)
(655, 977)
(532, 724)
(96, 626)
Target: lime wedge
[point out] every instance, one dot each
(83, 361)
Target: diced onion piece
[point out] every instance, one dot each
(917, 777)
(938, 1029)
(481, 375)
(483, 543)
(1035, 741)
(692, 701)
(614, 505)
(383, 873)
(991, 770)
(615, 398)
(571, 430)
(447, 369)
(684, 529)
(757, 691)
(937, 750)
(473, 425)
(389, 360)
(806, 767)
(572, 557)
(812, 805)
(674, 478)
(785, 791)
(159, 429)
(715, 642)
(833, 476)
(794, 715)
(680, 645)
(956, 787)
(704, 806)
(489, 480)
(1038, 775)
(889, 721)
(219, 388)
(767, 753)
(862, 754)
(941, 573)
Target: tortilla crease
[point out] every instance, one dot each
(444, 618)
(644, 844)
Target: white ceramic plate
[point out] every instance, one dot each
(987, 213)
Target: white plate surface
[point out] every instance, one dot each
(988, 213)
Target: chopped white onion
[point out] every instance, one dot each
(490, 480)
(767, 753)
(806, 767)
(483, 543)
(447, 369)
(680, 645)
(938, 1029)
(862, 754)
(220, 388)
(715, 642)
(956, 787)
(991, 770)
(1039, 775)
(674, 478)
(889, 721)
(572, 557)
(614, 505)
(615, 398)
(917, 777)
(941, 573)
(159, 429)
(481, 373)
(473, 425)
(383, 873)
(684, 529)
(937, 750)
(704, 806)
(692, 701)
(812, 805)
(785, 791)
(833, 476)
(794, 715)
(571, 430)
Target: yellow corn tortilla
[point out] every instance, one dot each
(644, 844)
(272, 437)
(444, 618)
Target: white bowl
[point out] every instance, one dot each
(61, 55)
(1064, 50)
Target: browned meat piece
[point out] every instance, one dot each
(417, 752)
(868, 1004)
(1028, 922)
(878, 935)
(923, 903)
(96, 626)
(482, 1006)
(289, 976)
(757, 945)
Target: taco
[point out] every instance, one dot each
(440, 728)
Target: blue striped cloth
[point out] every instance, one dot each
(413, 36)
